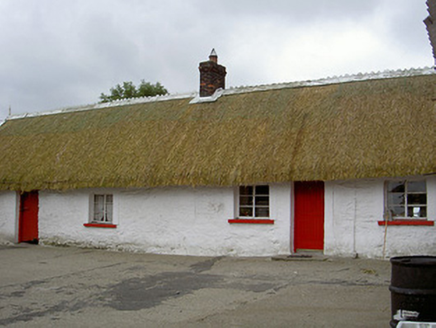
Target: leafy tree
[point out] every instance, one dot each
(129, 90)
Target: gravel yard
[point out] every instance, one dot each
(73, 287)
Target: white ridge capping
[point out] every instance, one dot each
(335, 79)
(237, 90)
(116, 103)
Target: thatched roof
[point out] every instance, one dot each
(361, 129)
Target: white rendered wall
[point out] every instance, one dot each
(195, 221)
(352, 210)
(8, 216)
(186, 221)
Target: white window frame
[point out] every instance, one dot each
(255, 204)
(107, 210)
(405, 205)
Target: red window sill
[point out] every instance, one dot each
(252, 221)
(407, 223)
(99, 225)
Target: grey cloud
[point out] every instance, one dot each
(57, 53)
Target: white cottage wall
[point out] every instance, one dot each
(8, 216)
(173, 220)
(194, 221)
(352, 211)
(339, 217)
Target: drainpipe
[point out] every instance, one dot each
(356, 255)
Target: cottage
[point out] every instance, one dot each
(343, 166)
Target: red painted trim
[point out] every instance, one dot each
(407, 223)
(308, 199)
(28, 217)
(252, 221)
(99, 225)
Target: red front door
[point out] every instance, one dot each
(309, 215)
(28, 221)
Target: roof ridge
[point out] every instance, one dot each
(386, 74)
(114, 103)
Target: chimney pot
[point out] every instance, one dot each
(213, 56)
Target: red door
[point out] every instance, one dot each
(309, 215)
(28, 221)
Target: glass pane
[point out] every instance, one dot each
(99, 199)
(396, 186)
(416, 186)
(262, 190)
(262, 200)
(395, 199)
(397, 212)
(246, 211)
(419, 199)
(98, 208)
(417, 212)
(109, 207)
(246, 190)
(262, 212)
(246, 200)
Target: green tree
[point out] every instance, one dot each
(129, 90)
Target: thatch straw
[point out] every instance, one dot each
(378, 128)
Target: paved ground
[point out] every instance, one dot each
(71, 287)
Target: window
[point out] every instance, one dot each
(102, 209)
(254, 201)
(407, 199)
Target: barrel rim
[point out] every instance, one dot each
(416, 260)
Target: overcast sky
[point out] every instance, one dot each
(56, 54)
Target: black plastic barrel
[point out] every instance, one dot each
(413, 289)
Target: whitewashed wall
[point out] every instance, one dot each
(8, 218)
(173, 220)
(352, 209)
(194, 221)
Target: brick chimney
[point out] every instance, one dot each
(212, 75)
